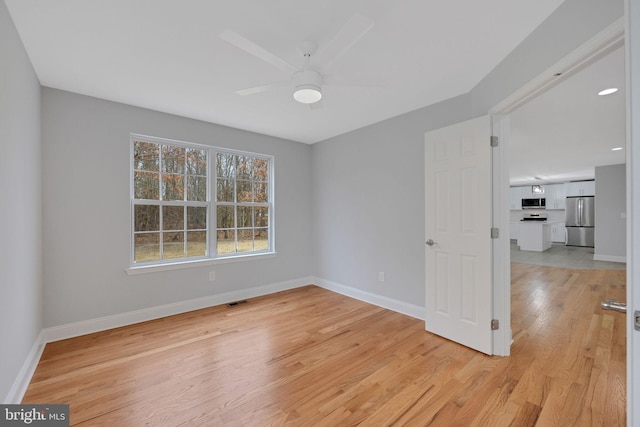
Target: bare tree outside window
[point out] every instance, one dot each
(242, 203)
(178, 190)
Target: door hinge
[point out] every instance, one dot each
(495, 324)
(495, 233)
(493, 141)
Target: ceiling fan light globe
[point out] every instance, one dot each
(307, 94)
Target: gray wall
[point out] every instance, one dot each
(611, 204)
(368, 202)
(21, 213)
(368, 185)
(86, 210)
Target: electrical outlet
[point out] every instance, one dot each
(381, 276)
(212, 276)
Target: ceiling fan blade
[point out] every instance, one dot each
(355, 28)
(262, 88)
(250, 47)
(330, 80)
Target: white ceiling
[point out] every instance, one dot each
(567, 131)
(167, 55)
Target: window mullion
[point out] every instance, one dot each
(235, 203)
(184, 231)
(212, 194)
(185, 190)
(161, 231)
(184, 176)
(160, 163)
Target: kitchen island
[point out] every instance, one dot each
(535, 235)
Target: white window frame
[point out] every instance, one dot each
(211, 257)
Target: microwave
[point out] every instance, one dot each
(540, 203)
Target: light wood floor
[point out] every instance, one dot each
(310, 357)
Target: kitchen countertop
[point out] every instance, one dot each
(539, 222)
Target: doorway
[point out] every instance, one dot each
(602, 45)
(558, 140)
(607, 41)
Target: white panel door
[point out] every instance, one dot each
(458, 223)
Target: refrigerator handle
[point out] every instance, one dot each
(580, 209)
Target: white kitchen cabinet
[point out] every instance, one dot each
(515, 198)
(558, 232)
(513, 230)
(581, 188)
(526, 193)
(555, 195)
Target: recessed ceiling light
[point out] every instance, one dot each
(608, 91)
(616, 149)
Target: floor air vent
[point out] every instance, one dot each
(237, 303)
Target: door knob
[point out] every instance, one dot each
(430, 242)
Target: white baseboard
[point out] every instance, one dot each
(19, 387)
(611, 258)
(84, 327)
(371, 298)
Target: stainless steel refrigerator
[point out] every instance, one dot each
(580, 220)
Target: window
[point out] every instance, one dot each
(242, 210)
(180, 190)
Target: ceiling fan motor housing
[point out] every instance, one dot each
(307, 86)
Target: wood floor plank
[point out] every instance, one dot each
(312, 357)
(526, 416)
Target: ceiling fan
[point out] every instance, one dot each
(307, 80)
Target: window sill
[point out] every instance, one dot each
(143, 269)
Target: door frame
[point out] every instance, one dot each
(632, 55)
(502, 337)
(603, 43)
